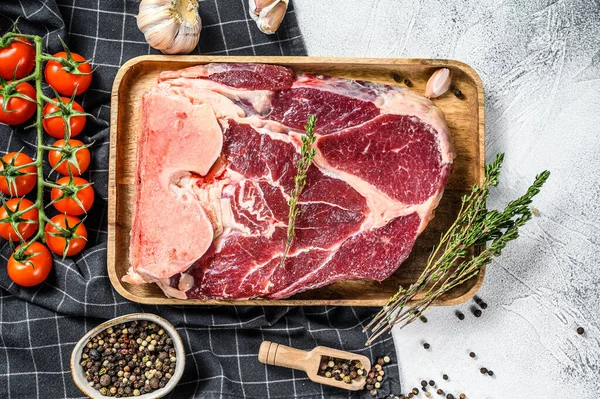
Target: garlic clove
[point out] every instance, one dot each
(438, 83)
(171, 26)
(260, 5)
(268, 14)
(160, 34)
(273, 18)
(186, 40)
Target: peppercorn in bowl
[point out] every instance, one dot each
(138, 355)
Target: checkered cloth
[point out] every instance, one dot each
(39, 326)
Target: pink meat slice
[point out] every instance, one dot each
(383, 158)
(167, 241)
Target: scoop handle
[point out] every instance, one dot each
(280, 355)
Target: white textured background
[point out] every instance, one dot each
(540, 66)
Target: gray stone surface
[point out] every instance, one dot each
(540, 65)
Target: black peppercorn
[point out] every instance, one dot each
(408, 82)
(426, 345)
(476, 312)
(94, 354)
(449, 396)
(458, 93)
(580, 331)
(472, 354)
(431, 382)
(440, 391)
(490, 373)
(423, 383)
(445, 377)
(483, 370)
(460, 315)
(397, 78)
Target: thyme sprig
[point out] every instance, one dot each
(307, 153)
(449, 264)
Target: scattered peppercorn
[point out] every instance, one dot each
(426, 345)
(374, 377)
(460, 315)
(472, 354)
(116, 363)
(462, 396)
(423, 319)
(431, 382)
(490, 373)
(580, 330)
(397, 78)
(458, 93)
(449, 396)
(445, 377)
(408, 82)
(440, 391)
(415, 391)
(423, 383)
(480, 302)
(476, 312)
(483, 370)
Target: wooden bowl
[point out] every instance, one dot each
(79, 376)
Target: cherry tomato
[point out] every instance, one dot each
(58, 244)
(26, 230)
(18, 56)
(31, 271)
(64, 82)
(68, 205)
(18, 185)
(82, 154)
(55, 126)
(18, 109)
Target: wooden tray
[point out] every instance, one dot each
(465, 119)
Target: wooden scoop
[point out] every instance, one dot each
(280, 355)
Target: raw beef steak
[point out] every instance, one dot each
(383, 158)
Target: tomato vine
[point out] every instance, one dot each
(53, 232)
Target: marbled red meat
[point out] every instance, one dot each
(383, 158)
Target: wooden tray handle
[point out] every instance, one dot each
(281, 355)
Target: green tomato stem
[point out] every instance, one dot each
(53, 185)
(40, 139)
(27, 78)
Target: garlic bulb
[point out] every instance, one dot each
(438, 83)
(171, 26)
(268, 14)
